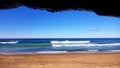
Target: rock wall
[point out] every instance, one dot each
(100, 7)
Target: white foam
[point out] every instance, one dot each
(51, 52)
(55, 42)
(79, 43)
(10, 42)
(110, 44)
(93, 50)
(114, 50)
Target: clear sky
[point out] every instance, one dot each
(24, 22)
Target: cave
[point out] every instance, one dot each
(100, 7)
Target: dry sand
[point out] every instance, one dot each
(61, 61)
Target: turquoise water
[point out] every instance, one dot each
(27, 45)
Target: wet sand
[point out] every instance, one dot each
(61, 61)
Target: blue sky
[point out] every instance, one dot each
(24, 22)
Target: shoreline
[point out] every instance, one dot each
(64, 52)
(58, 54)
(109, 60)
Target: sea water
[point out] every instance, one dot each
(43, 46)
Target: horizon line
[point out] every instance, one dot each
(58, 37)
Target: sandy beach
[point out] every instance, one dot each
(61, 61)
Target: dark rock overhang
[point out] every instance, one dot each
(100, 7)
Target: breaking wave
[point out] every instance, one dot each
(84, 44)
(9, 42)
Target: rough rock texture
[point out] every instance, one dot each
(101, 7)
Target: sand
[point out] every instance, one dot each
(61, 61)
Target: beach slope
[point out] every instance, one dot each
(61, 61)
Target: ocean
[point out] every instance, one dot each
(43, 46)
